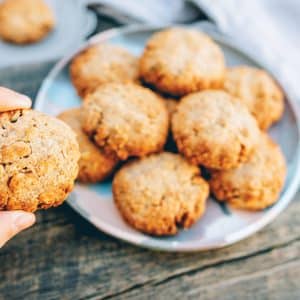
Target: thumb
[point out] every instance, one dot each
(10, 100)
(12, 222)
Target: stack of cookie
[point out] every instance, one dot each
(179, 88)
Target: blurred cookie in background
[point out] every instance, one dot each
(73, 24)
(25, 21)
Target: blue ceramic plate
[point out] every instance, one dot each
(221, 225)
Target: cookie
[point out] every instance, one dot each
(25, 21)
(258, 91)
(125, 119)
(103, 63)
(160, 194)
(255, 184)
(171, 106)
(38, 160)
(213, 129)
(179, 61)
(94, 164)
(170, 145)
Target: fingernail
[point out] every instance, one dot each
(12, 100)
(24, 220)
(21, 100)
(24, 101)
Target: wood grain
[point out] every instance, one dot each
(64, 257)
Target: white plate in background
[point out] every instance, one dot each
(73, 24)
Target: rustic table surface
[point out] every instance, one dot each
(64, 257)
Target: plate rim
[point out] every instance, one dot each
(187, 246)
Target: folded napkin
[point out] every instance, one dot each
(145, 11)
(268, 29)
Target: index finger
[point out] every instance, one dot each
(10, 100)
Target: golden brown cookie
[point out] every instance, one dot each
(213, 129)
(179, 61)
(103, 63)
(125, 119)
(258, 91)
(25, 21)
(38, 160)
(160, 194)
(255, 184)
(94, 164)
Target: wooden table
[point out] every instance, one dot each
(64, 257)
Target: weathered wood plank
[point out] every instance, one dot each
(63, 256)
(268, 275)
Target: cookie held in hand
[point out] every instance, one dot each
(38, 160)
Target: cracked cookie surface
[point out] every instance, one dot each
(179, 61)
(160, 194)
(213, 129)
(258, 91)
(38, 160)
(255, 184)
(25, 21)
(94, 164)
(101, 64)
(125, 119)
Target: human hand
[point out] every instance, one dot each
(12, 222)
(10, 100)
